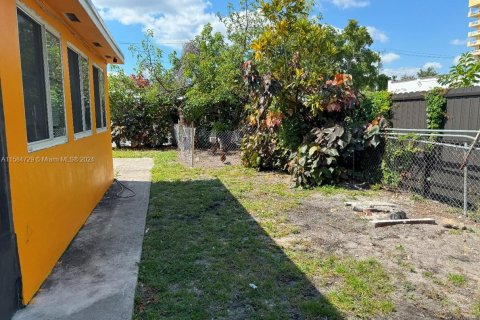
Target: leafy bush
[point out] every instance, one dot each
(138, 114)
(261, 148)
(325, 159)
(376, 104)
(317, 162)
(291, 133)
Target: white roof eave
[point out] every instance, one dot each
(95, 16)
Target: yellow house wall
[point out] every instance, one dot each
(50, 201)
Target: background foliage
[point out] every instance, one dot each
(465, 73)
(138, 113)
(293, 81)
(376, 104)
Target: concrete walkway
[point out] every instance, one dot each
(97, 275)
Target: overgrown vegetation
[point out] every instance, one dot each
(304, 103)
(399, 155)
(398, 158)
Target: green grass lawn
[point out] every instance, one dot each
(210, 253)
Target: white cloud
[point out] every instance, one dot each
(174, 22)
(347, 4)
(459, 42)
(377, 34)
(411, 71)
(389, 57)
(456, 60)
(434, 65)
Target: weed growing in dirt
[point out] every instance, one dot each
(476, 308)
(457, 280)
(376, 187)
(475, 216)
(417, 198)
(455, 232)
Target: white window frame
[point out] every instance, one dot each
(102, 129)
(84, 133)
(51, 141)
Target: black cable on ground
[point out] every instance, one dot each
(124, 187)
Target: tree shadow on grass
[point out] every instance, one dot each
(205, 257)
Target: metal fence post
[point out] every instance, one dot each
(192, 144)
(465, 183)
(180, 142)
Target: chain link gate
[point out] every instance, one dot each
(434, 165)
(199, 147)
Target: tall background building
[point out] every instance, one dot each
(474, 34)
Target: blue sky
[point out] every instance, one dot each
(410, 34)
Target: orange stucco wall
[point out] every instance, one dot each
(50, 201)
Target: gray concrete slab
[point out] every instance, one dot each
(96, 277)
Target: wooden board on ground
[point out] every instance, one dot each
(385, 223)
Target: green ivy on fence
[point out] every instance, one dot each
(436, 108)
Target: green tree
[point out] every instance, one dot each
(408, 77)
(466, 73)
(356, 57)
(429, 72)
(149, 64)
(383, 82)
(244, 24)
(213, 69)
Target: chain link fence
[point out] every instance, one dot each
(441, 165)
(199, 147)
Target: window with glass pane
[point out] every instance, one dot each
(55, 74)
(42, 77)
(86, 93)
(75, 91)
(102, 98)
(80, 92)
(99, 92)
(33, 77)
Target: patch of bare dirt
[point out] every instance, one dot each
(209, 159)
(419, 258)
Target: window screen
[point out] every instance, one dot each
(55, 75)
(80, 91)
(99, 91)
(42, 77)
(33, 77)
(86, 93)
(76, 94)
